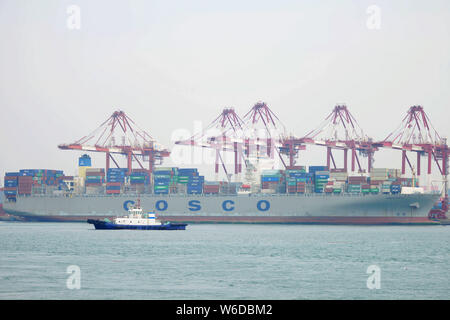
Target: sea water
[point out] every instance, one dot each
(224, 261)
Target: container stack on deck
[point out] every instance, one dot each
(139, 181)
(355, 183)
(11, 182)
(273, 181)
(32, 181)
(168, 180)
(298, 181)
(321, 177)
(195, 184)
(95, 177)
(163, 180)
(211, 187)
(115, 179)
(25, 185)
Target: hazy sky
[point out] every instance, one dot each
(169, 63)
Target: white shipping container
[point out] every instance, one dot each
(412, 190)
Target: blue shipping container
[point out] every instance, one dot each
(197, 177)
(10, 183)
(198, 187)
(115, 180)
(112, 187)
(161, 191)
(139, 174)
(195, 183)
(95, 181)
(298, 175)
(12, 174)
(313, 169)
(194, 192)
(161, 183)
(84, 161)
(270, 178)
(187, 172)
(163, 172)
(161, 180)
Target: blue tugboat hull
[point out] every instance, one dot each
(103, 225)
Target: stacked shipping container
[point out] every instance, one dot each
(11, 181)
(115, 178)
(163, 180)
(26, 181)
(273, 181)
(187, 180)
(297, 180)
(95, 177)
(211, 187)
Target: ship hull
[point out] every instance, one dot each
(103, 225)
(304, 209)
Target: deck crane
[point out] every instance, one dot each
(340, 131)
(417, 134)
(119, 135)
(223, 134)
(265, 135)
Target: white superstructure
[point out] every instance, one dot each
(137, 217)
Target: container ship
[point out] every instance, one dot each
(313, 195)
(295, 194)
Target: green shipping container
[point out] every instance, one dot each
(161, 187)
(93, 177)
(161, 176)
(137, 177)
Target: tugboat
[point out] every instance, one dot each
(136, 220)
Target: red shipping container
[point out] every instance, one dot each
(114, 184)
(93, 184)
(98, 174)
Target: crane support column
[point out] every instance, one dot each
(107, 162)
(291, 154)
(353, 159)
(129, 159)
(429, 162)
(403, 161)
(328, 157)
(345, 160)
(236, 166)
(216, 168)
(445, 155)
(418, 163)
